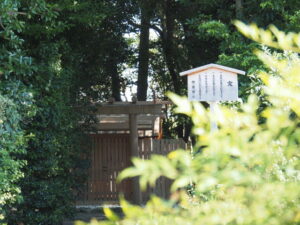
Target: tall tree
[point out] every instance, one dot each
(100, 47)
(143, 61)
(168, 42)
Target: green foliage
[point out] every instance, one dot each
(202, 33)
(39, 87)
(213, 29)
(97, 48)
(229, 46)
(11, 147)
(247, 172)
(16, 106)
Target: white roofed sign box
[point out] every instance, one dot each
(212, 83)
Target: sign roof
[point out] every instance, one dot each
(211, 66)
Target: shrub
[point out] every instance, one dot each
(11, 147)
(247, 171)
(33, 77)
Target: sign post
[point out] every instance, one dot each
(212, 83)
(213, 124)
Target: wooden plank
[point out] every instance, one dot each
(120, 126)
(148, 147)
(134, 153)
(129, 109)
(126, 184)
(98, 166)
(89, 181)
(94, 167)
(110, 168)
(121, 118)
(116, 164)
(141, 148)
(104, 169)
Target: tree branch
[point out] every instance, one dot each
(1, 24)
(13, 12)
(152, 26)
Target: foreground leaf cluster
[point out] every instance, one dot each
(247, 172)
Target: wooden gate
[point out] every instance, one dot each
(110, 154)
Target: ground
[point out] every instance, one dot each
(87, 213)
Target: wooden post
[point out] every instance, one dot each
(213, 124)
(134, 153)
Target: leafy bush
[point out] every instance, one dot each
(33, 78)
(248, 171)
(11, 147)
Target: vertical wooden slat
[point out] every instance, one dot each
(110, 154)
(93, 194)
(96, 168)
(102, 168)
(107, 143)
(125, 157)
(93, 169)
(109, 168)
(115, 155)
(102, 165)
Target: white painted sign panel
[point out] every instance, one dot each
(213, 85)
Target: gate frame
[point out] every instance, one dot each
(132, 110)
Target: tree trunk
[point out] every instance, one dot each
(168, 45)
(142, 83)
(112, 71)
(239, 9)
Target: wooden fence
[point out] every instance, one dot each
(110, 154)
(147, 147)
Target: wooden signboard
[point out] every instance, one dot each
(212, 83)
